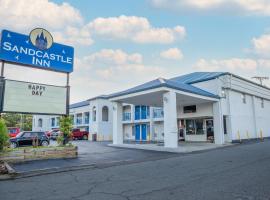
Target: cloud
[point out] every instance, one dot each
(108, 71)
(110, 56)
(172, 53)
(238, 7)
(261, 45)
(135, 29)
(22, 15)
(64, 21)
(231, 65)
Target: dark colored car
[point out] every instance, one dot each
(78, 134)
(26, 138)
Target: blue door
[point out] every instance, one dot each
(143, 112)
(144, 131)
(137, 112)
(137, 132)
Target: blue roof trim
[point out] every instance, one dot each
(79, 104)
(165, 83)
(198, 77)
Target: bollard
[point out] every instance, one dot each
(239, 138)
(247, 135)
(261, 135)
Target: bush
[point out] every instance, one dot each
(4, 137)
(65, 129)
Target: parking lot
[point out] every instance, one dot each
(92, 154)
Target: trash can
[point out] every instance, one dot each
(94, 137)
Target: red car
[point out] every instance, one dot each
(78, 134)
(13, 131)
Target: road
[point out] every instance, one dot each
(240, 172)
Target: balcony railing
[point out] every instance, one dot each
(79, 121)
(126, 116)
(158, 113)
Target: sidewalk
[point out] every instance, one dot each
(184, 147)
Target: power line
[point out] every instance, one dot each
(261, 78)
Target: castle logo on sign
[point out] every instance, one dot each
(41, 38)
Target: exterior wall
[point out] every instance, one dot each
(103, 129)
(46, 123)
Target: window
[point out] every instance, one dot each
(40, 123)
(244, 100)
(105, 114)
(79, 118)
(94, 114)
(86, 117)
(27, 135)
(190, 109)
(262, 103)
(225, 124)
(52, 122)
(57, 121)
(194, 127)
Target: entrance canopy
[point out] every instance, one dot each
(151, 94)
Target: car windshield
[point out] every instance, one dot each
(19, 134)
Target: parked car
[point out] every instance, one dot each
(55, 134)
(13, 131)
(49, 133)
(26, 138)
(78, 134)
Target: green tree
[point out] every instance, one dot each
(3, 135)
(65, 128)
(24, 122)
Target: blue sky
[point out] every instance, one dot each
(123, 43)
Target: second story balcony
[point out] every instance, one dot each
(158, 113)
(126, 116)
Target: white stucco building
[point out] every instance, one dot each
(201, 106)
(93, 115)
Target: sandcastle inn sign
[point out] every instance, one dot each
(37, 50)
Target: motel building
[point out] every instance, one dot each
(216, 107)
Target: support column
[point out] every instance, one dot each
(151, 124)
(218, 123)
(117, 123)
(170, 120)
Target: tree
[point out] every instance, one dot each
(24, 122)
(65, 128)
(3, 135)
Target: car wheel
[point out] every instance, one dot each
(85, 137)
(44, 143)
(13, 145)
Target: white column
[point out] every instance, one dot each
(151, 116)
(218, 123)
(132, 111)
(170, 120)
(117, 123)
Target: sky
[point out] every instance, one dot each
(123, 43)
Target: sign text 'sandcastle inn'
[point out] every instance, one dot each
(36, 50)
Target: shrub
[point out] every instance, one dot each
(4, 137)
(65, 128)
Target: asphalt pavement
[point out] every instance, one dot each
(240, 172)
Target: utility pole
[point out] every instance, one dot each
(261, 78)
